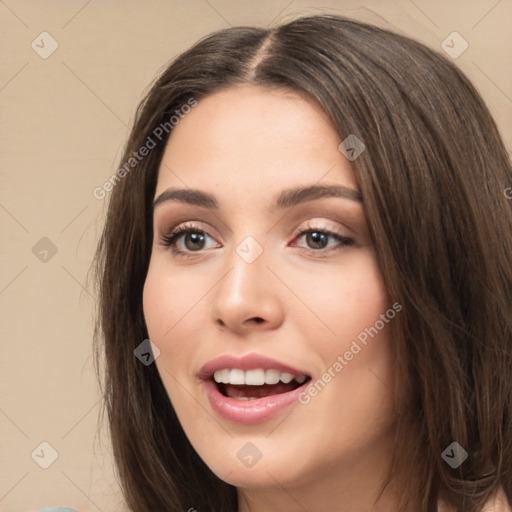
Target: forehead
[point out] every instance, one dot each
(247, 137)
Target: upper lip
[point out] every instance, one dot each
(247, 362)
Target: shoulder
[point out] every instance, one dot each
(498, 503)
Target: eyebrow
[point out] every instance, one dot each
(286, 199)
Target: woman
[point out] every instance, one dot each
(309, 224)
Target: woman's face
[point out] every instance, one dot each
(250, 298)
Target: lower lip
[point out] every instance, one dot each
(249, 412)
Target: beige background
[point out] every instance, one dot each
(63, 122)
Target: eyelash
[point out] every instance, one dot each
(171, 239)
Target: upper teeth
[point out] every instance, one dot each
(256, 377)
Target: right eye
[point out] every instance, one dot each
(185, 240)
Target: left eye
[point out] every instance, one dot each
(318, 238)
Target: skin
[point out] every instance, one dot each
(245, 145)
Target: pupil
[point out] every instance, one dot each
(195, 238)
(318, 238)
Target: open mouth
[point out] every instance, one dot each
(257, 383)
(262, 390)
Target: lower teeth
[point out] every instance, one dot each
(254, 392)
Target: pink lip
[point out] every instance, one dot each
(248, 412)
(247, 362)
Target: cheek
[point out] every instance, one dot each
(170, 310)
(356, 349)
(363, 325)
(172, 304)
(344, 300)
(158, 303)
(169, 299)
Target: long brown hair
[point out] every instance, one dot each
(432, 179)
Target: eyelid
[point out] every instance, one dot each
(313, 224)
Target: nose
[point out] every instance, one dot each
(247, 297)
